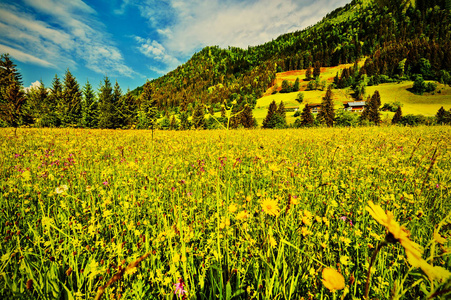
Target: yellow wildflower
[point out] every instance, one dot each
(270, 207)
(232, 208)
(333, 280)
(272, 241)
(413, 250)
(399, 233)
(241, 215)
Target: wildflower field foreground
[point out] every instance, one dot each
(279, 214)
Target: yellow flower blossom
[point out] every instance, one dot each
(333, 280)
(270, 207)
(272, 241)
(233, 208)
(413, 250)
(241, 215)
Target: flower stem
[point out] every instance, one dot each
(368, 274)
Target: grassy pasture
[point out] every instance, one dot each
(427, 104)
(247, 214)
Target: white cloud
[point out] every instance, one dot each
(186, 26)
(70, 34)
(34, 85)
(156, 51)
(24, 57)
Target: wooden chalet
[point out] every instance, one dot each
(354, 106)
(314, 107)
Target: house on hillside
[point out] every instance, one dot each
(314, 107)
(354, 106)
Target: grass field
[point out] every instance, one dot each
(247, 214)
(427, 104)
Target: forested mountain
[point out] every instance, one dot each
(397, 36)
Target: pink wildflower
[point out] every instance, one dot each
(179, 288)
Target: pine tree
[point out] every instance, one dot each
(306, 116)
(296, 85)
(37, 104)
(308, 73)
(116, 109)
(148, 108)
(185, 124)
(54, 98)
(371, 109)
(397, 117)
(69, 108)
(375, 103)
(198, 116)
(8, 72)
(106, 118)
(127, 109)
(90, 107)
(247, 117)
(317, 69)
(443, 116)
(282, 115)
(327, 112)
(268, 122)
(173, 125)
(13, 102)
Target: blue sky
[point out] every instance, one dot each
(131, 41)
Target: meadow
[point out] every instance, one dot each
(427, 104)
(245, 214)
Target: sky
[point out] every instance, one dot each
(132, 41)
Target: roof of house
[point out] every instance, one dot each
(355, 103)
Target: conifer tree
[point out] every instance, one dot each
(397, 117)
(12, 106)
(282, 115)
(173, 125)
(37, 104)
(247, 117)
(127, 109)
(327, 112)
(69, 108)
(317, 69)
(185, 124)
(198, 117)
(375, 103)
(366, 110)
(371, 109)
(308, 73)
(8, 72)
(117, 114)
(443, 116)
(148, 108)
(296, 85)
(106, 117)
(268, 122)
(54, 98)
(307, 116)
(90, 107)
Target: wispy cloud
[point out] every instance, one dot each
(186, 26)
(22, 56)
(156, 51)
(71, 35)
